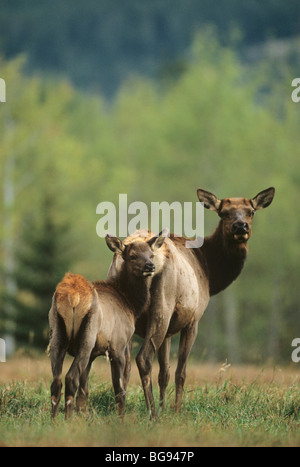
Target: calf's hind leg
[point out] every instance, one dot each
(83, 390)
(57, 355)
(58, 348)
(80, 367)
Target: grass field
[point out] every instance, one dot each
(222, 406)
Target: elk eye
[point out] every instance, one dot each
(253, 212)
(132, 257)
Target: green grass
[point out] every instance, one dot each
(215, 414)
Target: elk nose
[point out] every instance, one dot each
(149, 267)
(240, 228)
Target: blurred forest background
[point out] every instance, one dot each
(153, 99)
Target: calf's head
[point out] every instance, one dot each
(236, 213)
(138, 256)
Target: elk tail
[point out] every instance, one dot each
(74, 297)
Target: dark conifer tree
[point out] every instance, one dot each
(42, 260)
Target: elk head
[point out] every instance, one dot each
(236, 213)
(138, 256)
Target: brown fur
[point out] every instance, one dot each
(181, 289)
(88, 319)
(74, 296)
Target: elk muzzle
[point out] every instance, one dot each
(240, 231)
(149, 269)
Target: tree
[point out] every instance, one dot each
(40, 264)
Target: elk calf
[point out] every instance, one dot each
(88, 319)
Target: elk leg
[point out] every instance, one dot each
(163, 355)
(127, 364)
(80, 363)
(83, 390)
(57, 359)
(158, 319)
(187, 339)
(73, 376)
(58, 349)
(117, 366)
(153, 340)
(144, 361)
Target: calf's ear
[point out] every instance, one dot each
(114, 244)
(209, 200)
(156, 242)
(263, 199)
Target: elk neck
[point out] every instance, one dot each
(136, 290)
(223, 260)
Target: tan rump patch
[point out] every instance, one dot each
(74, 297)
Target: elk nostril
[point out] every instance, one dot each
(149, 267)
(240, 228)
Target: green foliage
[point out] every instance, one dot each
(220, 125)
(42, 261)
(97, 44)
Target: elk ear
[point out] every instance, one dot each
(156, 242)
(114, 244)
(210, 201)
(263, 199)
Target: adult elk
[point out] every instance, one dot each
(88, 319)
(180, 292)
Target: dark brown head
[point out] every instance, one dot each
(236, 213)
(139, 256)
